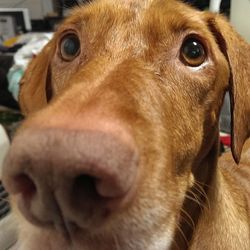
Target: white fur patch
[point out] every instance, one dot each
(202, 66)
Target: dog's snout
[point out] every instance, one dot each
(52, 170)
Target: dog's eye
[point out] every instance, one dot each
(193, 52)
(70, 47)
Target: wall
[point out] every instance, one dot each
(240, 17)
(37, 8)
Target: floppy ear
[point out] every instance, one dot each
(35, 86)
(237, 53)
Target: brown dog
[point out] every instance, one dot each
(120, 146)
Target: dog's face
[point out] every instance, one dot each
(145, 81)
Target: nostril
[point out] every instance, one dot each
(84, 186)
(25, 185)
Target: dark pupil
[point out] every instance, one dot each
(71, 46)
(193, 49)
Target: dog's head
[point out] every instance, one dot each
(122, 113)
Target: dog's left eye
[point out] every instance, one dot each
(70, 47)
(193, 52)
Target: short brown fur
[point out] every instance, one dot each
(130, 70)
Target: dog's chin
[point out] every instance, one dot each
(95, 221)
(67, 237)
(124, 227)
(100, 234)
(99, 222)
(104, 238)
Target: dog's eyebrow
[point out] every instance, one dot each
(178, 27)
(187, 22)
(173, 26)
(175, 20)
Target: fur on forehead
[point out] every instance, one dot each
(135, 10)
(134, 4)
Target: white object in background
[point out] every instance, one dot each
(8, 226)
(38, 8)
(34, 44)
(8, 232)
(25, 13)
(239, 17)
(4, 146)
(7, 27)
(214, 5)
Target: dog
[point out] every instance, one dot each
(119, 148)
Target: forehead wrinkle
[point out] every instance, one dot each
(119, 8)
(131, 4)
(135, 7)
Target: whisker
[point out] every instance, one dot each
(174, 242)
(189, 220)
(202, 206)
(76, 2)
(201, 202)
(182, 234)
(200, 189)
(202, 184)
(117, 245)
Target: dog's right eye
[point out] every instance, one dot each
(193, 52)
(70, 47)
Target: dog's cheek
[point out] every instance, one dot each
(186, 138)
(159, 194)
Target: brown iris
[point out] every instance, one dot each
(70, 47)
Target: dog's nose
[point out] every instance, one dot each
(59, 174)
